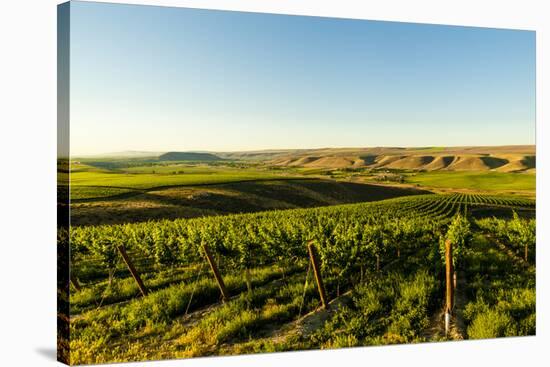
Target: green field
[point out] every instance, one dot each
(490, 181)
(177, 169)
(97, 184)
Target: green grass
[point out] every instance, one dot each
(146, 181)
(177, 168)
(82, 167)
(502, 294)
(492, 181)
(93, 184)
(388, 310)
(113, 333)
(85, 192)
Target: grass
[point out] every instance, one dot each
(503, 295)
(161, 305)
(229, 197)
(176, 168)
(126, 289)
(86, 192)
(94, 184)
(392, 306)
(491, 181)
(147, 181)
(123, 332)
(390, 309)
(89, 182)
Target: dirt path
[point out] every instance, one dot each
(457, 323)
(303, 326)
(436, 329)
(312, 321)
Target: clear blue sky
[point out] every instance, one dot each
(161, 79)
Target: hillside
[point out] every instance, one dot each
(242, 197)
(512, 158)
(500, 159)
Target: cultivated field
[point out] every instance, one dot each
(475, 180)
(240, 254)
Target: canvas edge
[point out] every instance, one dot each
(63, 214)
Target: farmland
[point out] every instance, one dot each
(487, 181)
(126, 191)
(105, 183)
(381, 263)
(121, 190)
(253, 252)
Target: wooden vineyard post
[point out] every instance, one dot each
(217, 275)
(133, 270)
(317, 272)
(449, 284)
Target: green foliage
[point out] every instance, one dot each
(390, 306)
(106, 248)
(460, 236)
(518, 232)
(388, 310)
(522, 232)
(503, 301)
(348, 237)
(491, 324)
(510, 312)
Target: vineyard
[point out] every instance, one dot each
(347, 275)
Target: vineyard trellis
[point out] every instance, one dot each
(387, 258)
(348, 238)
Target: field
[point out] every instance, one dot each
(120, 190)
(486, 181)
(381, 264)
(242, 254)
(129, 191)
(95, 183)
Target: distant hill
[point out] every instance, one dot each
(127, 154)
(366, 152)
(189, 156)
(499, 158)
(511, 158)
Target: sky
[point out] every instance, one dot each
(173, 79)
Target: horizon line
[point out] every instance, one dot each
(287, 149)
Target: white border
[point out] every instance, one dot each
(28, 144)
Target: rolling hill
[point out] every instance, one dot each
(511, 158)
(500, 159)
